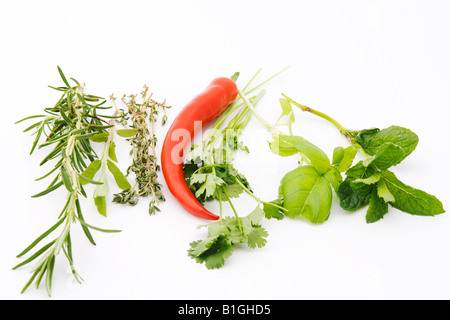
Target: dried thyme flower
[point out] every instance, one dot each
(143, 116)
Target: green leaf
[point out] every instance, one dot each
(63, 77)
(232, 191)
(338, 155)
(256, 237)
(112, 151)
(384, 193)
(100, 202)
(97, 228)
(390, 146)
(48, 190)
(409, 199)
(333, 176)
(119, 177)
(84, 180)
(90, 172)
(287, 109)
(377, 208)
(370, 180)
(66, 179)
(272, 211)
(307, 194)
(100, 137)
(254, 217)
(209, 184)
(354, 196)
(102, 189)
(212, 251)
(127, 133)
(346, 160)
(289, 145)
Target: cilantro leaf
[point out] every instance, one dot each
(225, 234)
(208, 183)
(212, 251)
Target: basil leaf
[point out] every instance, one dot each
(287, 109)
(346, 159)
(334, 177)
(306, 194)
(119, 177)
(289, 145)
(409, 199)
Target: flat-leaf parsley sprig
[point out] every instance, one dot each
(211, 175)
(65, 128)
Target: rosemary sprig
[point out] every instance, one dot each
(67, 127)
(142, 117)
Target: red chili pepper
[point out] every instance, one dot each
(203, 109)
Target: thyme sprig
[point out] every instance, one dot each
(142, 116)
(67, 128)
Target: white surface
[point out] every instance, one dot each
(368, 63)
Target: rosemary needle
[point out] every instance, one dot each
(65, 128)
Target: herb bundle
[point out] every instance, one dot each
(210, 173)
(306, 191)
(66, 128)
(370, 182)
(142, 118)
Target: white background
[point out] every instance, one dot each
(367, 63)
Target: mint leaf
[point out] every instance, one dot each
(390, 146)
(377, 208)
(354, 196)
(409, 199)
